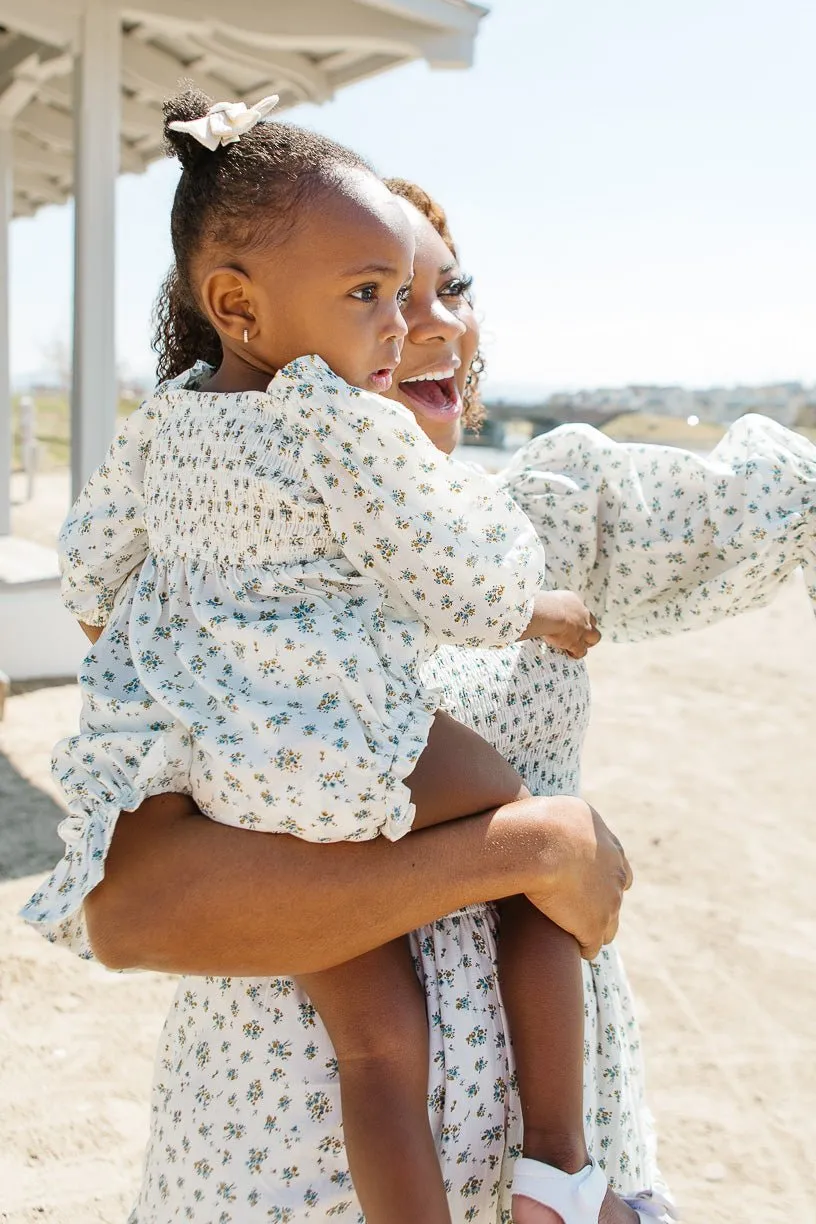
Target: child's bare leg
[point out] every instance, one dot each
(543, 993)
(459, 774)
(374, 1010)
(542, 989)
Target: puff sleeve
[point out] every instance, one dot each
(447, 543)
(104, 537)
(658, 540)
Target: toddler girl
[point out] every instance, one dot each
(300, 549)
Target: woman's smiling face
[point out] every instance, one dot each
(442, 338)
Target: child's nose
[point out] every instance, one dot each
(397, 327)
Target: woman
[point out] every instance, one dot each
(173, 899)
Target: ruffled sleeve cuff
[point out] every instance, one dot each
(94, 805)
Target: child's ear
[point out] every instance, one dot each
(227, 299)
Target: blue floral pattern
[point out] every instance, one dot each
(245, 1120)
(657, 540)
(295, 556)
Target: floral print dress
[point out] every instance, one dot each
(301, 553)
(659, 540)
(245, 1115)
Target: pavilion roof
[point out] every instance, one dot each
(303, 50)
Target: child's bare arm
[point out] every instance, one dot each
(92, 632)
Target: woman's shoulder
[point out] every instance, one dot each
(317, 391)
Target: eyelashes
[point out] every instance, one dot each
(460, 287)
(370, 293)
(457, 289)
(365, 293)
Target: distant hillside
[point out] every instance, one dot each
(791, 403)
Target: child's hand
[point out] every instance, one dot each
(565, 622)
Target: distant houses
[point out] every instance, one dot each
(790, 403)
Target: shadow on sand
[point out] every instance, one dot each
(28, 826)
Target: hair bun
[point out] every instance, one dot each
(191, 103)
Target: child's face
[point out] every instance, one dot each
(333, 287)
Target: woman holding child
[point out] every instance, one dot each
(246, 1118)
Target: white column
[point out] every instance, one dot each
(96, 162)
(6, 204)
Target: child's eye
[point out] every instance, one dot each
(366, 293)
(458, 288)
(403, 295)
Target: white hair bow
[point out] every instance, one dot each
(225, 122)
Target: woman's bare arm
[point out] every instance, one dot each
(183, 894)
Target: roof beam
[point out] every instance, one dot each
(153, 72)
(271, 46)
(365, 67)
(39, 187)
(53, 22)
(58, 163)
(21, 90)
(340, 61)
(138, 119)
(297, 70)
(295, 25)
(450, 50)
(16, 53)
(130, 159)
(54, 63)
(463, 18)
(47, 124)
(29, 155)
(23, 207)
(27, 78)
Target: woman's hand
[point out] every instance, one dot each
(585, 892)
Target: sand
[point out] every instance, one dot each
(700, 755)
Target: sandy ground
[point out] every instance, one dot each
(39, 518)
(700, 754)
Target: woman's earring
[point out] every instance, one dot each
(246, 336)
(472, 401)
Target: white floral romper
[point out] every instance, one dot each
(302, 552)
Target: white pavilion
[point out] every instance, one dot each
(81, 88)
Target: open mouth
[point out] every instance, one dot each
(432, 395)
(381, 380)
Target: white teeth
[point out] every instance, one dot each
(435, 377)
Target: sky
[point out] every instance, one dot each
(632, 185)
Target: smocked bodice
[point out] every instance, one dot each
(224, 483)
(531, 703)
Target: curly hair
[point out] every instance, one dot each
(238, 197)
(474, 413)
